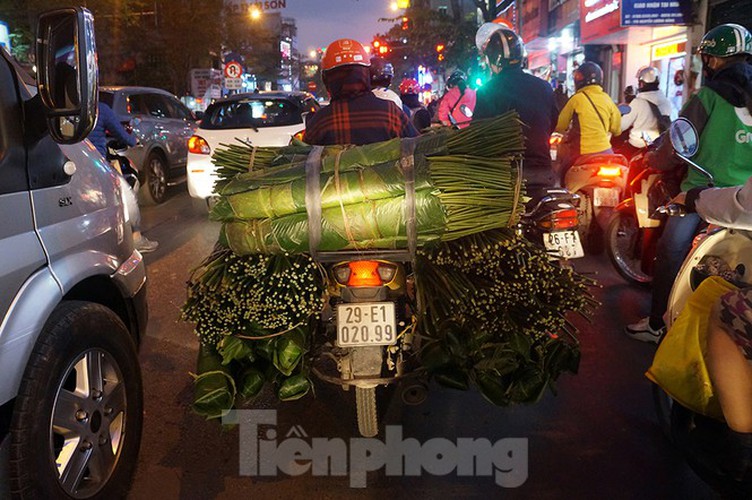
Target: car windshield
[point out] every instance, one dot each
(255, 112)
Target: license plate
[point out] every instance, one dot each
(563, 244)
(605, 197)
(366, 324)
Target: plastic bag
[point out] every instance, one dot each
(679, 365)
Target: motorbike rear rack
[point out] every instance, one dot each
(390, 255)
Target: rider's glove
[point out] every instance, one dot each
(691, 199)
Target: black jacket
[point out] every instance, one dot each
(534, 100)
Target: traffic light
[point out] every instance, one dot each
(380, 47)
(440, 51)
(383, 49)
(405, 23)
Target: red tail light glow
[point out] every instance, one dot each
(609, 171)
(364, 273)
(198, 145)
(299, 135)
(554, 140)
(560, 220)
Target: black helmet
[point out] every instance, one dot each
(382, 72)
(456, 77)
(502, 46)
(588, 73)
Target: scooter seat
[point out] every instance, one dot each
(609, 159)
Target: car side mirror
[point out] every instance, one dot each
(67, 80)
(198, 115)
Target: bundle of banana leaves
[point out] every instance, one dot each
(494, 311)
(465, 182)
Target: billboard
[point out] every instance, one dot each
(655, 13)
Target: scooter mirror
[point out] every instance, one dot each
(684, 137)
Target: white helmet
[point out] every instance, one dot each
(483, 35)
(648, 74)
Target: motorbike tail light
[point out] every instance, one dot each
(554, 140)
(387, 272)
(559, 220)
(198, 145)
(342, 274)
(364, 273)
(298, 135)
(609, 171)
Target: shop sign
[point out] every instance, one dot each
(655, 13)
(668, 50)
(598, 18)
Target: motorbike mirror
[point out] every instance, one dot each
(624, 109)
(465, 110)
(684, 137)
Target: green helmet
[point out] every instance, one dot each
(726, 40)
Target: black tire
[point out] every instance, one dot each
(101, 429)
(621, 238)
(154, 186)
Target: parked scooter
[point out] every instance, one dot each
(725, 252)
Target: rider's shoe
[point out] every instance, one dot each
(145, 245)
(642, 331)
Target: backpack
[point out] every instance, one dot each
(664, 121)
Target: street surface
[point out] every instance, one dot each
(597, 438)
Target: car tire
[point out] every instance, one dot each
(80, 402)
(154, 186)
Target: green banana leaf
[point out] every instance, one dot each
(293, 388)
(214, 387)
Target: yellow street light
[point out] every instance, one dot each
(312, 54)
(255, 13)
(394, 7)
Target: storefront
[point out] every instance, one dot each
(563, 40)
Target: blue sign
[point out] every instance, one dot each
(655, 12)
(4, 36)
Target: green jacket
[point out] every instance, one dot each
(725, 140)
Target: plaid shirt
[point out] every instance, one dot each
(363, 119)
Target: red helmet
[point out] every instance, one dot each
(343, 52)
(409, 86)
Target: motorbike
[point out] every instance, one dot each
(116, 157)
(368, 329)
(720, 251)
(634, 229)
(551, 220)
(600, 181)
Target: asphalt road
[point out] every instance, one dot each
(596, 438)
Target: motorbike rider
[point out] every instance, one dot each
(458, 94)
(510, 88)
(721, 113)
(589, 118)
(355, 115)
(382, 73)
(729, 340)
(651, 112)
(410, 94)
(106, 123)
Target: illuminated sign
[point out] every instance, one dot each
(403, 4)
(655, 13)
(595, 9)
(669, 50)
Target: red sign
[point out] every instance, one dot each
(233, 70)
(599, 18)
(533, 20)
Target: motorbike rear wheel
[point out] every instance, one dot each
(368, 419)
(623, 240)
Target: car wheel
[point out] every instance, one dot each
(155, 180)
(76, 426)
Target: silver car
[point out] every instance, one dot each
(163, 126)
(72, 285)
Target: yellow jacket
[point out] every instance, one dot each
(594, 136)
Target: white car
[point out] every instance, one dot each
(259, 118)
